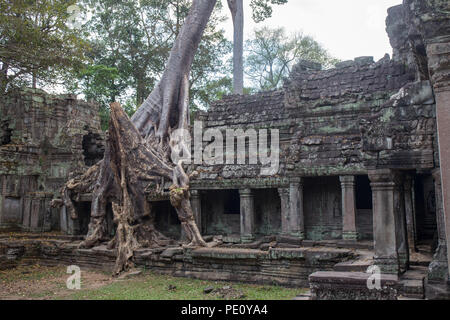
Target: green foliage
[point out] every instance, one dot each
(271, 54)
(98, 83)
(131, 43)
(36, 42)
(262, 9)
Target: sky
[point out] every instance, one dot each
(346, 28)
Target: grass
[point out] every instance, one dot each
(33, 273)
(151, 286)
(39, 282)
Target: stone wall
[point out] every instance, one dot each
(282, 266)
(337, 121)
(323, 208)
(45, 139)
(420, 35)
(359, 116)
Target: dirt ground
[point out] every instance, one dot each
(49, 283)
(43, 283)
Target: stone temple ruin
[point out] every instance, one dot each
(359, 183)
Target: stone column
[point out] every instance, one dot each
(438, 64)
(296, 213)
(408, 187)
(284, 199)
(443, 121)
(348, 208)
(384, 226)
(196, 204)
(438, 268)
(2, 196)
(247, 215)
(400, 223)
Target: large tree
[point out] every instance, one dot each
(261, 10)
(271, 54)
(139, 156)
(37, 43)
(131, 43)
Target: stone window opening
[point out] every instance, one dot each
(232, 203)
(425, 209)
(5, 134)
(267, 204)
(363, 193)
(166, 219)
(83, 210)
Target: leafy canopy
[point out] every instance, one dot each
(36, 41)
(131, 43)
(262, 9)
(271, 54)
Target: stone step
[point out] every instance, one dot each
(333, 285)
(412, 288)
(303, 296)
(415, 273)
(407, 298)
(352, 266)
(424, 263)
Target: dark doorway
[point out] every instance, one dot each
(232, 202)
(267, 211)
(364, 209)
(425, 201)
(221, 212)
(166, 219)
(83, 210)
(5, 133)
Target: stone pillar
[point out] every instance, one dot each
(443, 121)
(408, 187)
(438, 65)
(196, 204)
(2, 195)
(384, 217)
(348, 208)
(438, 268)
(247, 215)
(400, 223)
(284, 199)
(296, 214)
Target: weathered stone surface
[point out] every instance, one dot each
(289, 267)
(44, 139)
(351, 286)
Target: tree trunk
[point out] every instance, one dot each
(33, 81)
(136, 160)
(3, 78)
(237, 13)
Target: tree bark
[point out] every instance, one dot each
(237, 13)
(3, 77)
(136, 160)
